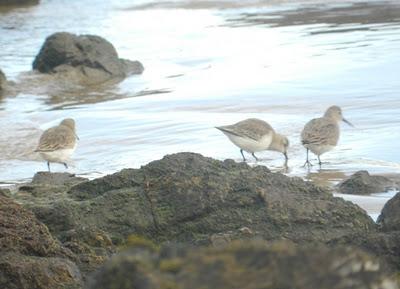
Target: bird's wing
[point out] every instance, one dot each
(250, 128)
(320, 131)
(56, 138)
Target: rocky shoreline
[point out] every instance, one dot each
(184, 219)
(68, 63)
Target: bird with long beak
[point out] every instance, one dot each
(321, 135)
(58, 143)
(254, 135)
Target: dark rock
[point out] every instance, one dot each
(18, 2)
(5, 193)
(56, 179)
(29, 256)
(92, 247)
(45, 183)
(27, 272)
(21, 232)
(3, 82)
(245, 265)
(189, 198)
(362, 183)
(89, 57)
(389, 218)
(382, 245)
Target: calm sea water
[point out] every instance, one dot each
(211, 63)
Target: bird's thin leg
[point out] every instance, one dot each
(254, 156)
(65, 165)
(319, 161)
(241, 151)
(48, 166)
(307, 163)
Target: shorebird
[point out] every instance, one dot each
(254, 135)
(321, 135)
(58, 143)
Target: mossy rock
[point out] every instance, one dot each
(246, 265)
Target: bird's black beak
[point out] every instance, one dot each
(346, 121)
(76, 136)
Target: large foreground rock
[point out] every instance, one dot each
(189, 198)
(85, 59)
(243, 265)
(29, 256)
(362, 183)
(91, 246)
(383, 245)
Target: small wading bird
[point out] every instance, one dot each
(255, 135)
(321, 135)
(58, 143)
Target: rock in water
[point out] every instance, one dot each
(389, 218)
(362, 183)
(244, 265)
(90, 57)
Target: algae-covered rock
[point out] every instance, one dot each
(91, 246)
(27, 272)
(29, 256)
(189, 198)
(389, 218)
(21, 232)
(5, 192)
(382, 245)
(362, 183)
(244, 265)
(85, 59)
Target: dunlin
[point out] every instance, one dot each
(321, 135)
(254, 135)
(58, 143)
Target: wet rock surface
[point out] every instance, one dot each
(29, 255)
(46, 184)
(362, 183)
(243, 265)
(84, 59)
(389, 218)
(193, 199)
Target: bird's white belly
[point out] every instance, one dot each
(320, 149)
(249, 144)
(58, 156)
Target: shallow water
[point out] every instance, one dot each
(210, 63)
